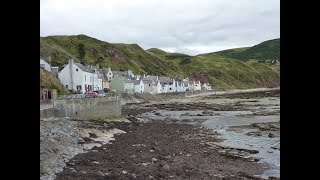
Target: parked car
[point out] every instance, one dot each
(101, 93)
(91, 94)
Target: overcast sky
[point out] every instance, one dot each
(186, 26)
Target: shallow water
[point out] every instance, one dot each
(262, 144)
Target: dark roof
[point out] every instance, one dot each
(136, 82)
(83, 68)
(149, 77)
(165, 80)
(147, 81)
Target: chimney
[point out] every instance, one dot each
(82, 62)
(97, 66)
(144, 75)
(70, 61)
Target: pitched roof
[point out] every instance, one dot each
(165, 80)
(125, 79)
(136, 82)
(83, 68)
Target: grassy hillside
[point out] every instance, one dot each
(222, 69)
(93, 51)
(50, 81)
(227, 73)
(263, 51)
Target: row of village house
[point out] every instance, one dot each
(77, 77)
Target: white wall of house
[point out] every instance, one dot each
(196, 86)
(129, 87)
(45, 65)
(148, 86)
(109, 74)
(171, 87)
(139, 88)
(186, 85)
(164, 88)
(64, 77)
(179, 87)
(76, 79)
(157, 87)
(206, 86)
(96, 81)
(86, 80)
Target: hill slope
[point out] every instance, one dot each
(222, 69)
(263, 51)
(93, 51)
(50, 81)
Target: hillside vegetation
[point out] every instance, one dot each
(224, 69)
(264, 51)
(48, 80)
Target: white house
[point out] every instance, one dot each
(45, 65)
(206, 86)
(138, 86)
(179, 86)
(149, 82)
(109, 74)
(157, 87)
(196, 85)
(186, 85)
(77, 77)
(168, 84)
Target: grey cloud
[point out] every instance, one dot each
(177, 25)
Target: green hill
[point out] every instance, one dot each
(223, 69)
(48, 80)
(118, 56)
(263, 51)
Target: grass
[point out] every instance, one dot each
(48, 80)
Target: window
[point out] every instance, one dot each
(79, 88)
(67, 86)
(149, 85)
(77, 69)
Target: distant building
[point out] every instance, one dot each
(196, 85)
(168, 84)
(179, 86)
(109, 74)
(151, 83)
(122, 84)
(45, 65)
(206, 86)
(138, 86)
(55, 71)
(186, 85)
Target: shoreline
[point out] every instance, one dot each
(141, 135)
